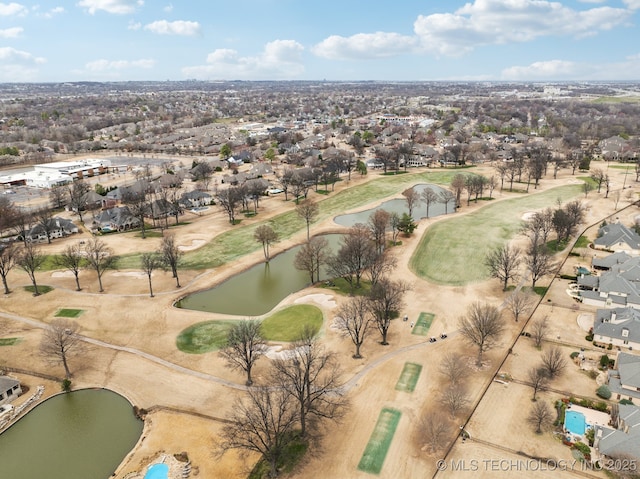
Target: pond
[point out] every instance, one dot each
(258, 290)
(399, 205)
(80, 435)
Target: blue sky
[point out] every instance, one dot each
(405, 40)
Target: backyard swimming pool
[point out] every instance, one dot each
(157, 471)
(575, 422)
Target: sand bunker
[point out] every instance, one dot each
(276, 352)
(62, 274)
(528, 215)
(324, 300)
(195, 244)
(132, 274)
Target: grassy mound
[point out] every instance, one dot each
(289, 323)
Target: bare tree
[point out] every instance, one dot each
(599, 176)
(503, 263)
(58, 196)
(353, 319)
(78, 191)
(30, 258)
(171, 255)
(245, 346)
(429, 197)
(228, 200)
(60, 341)
(265, 235)
(540, 416)
(539, 331)
(519, 303)
(149, 263)
(312, 256)
(138, 204)
(412, 198)
(99, 257)
(385, 300)
(264, 424)
(356, 253)
(445, 197)
(9, 255)
(435, 428)
(394, 223)
(482, 326)
(455, 399)
(312, 377)
(308, 210)
(44, 219)
(538, 379)
(554, 362)
(382, 266)
(378, 223)
(454, 367)
(539, 263)
(72, 259)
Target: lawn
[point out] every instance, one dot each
(409, 377)
(452, 251)
(238, 241)
(423, 324)
(204, 337)
(42, 289)
(380, 440)
(289, 323)
(68, 313)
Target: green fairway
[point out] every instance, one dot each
(423, 324)
(409, 377)
(452, 251)
(379, 442)
(68, 313)
(204, 337)
(289, 323)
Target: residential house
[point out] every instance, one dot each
(617, 287)
(624, 381)
(374, 163)
(160, 208)
(617, 237)
(618, 326)
(115, 219)
(9, 389)
(195, 199)
(620, 440)
(58, 228)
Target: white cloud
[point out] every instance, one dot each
(9, 9)
(628, 69)
(13, 32)
(11, 55)
(111, 6)
(102, 65)
(487, 22)
(168, 8)
(18, 65)
(632, 4)
(592, 1)
(280, 59)
(134, 25)
(178, 27)
(53, 12)
(364, 46)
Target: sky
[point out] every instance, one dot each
(345, 40)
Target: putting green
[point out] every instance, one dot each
(380, 440)
(423, 324)
(409, 377)
(289, 323)
(204, 337)
(68, 313)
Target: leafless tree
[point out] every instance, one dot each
(454, 367)
(138, 204)
(539, 263)
(519, 303)
(599, 176)
(171, 255)
(482, 326)
(285, 180)
(308, 210)
(8, 213)
(149, 263)
(435, 427)
(60, 341)
(540, 416)
(554, 362)
(538, 378)
(455, 398)
(312, 256)
(458, 184)
(311, 375)
(58, 196)
(77, 192)
(99, 257)
(382, 266)
(353, 319)
(394, 223)
(262, 423)
(539, 331)
(9, 255)
(445, 197)
(21, 223)
(30, 258)
(378, 224)
(265, 235)
(503, 263)
(72, 259)
(245, 346)
(385, 300)
(356, 253)
(429, 197)
(412, 198)
(228, 199)
(44, 219)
